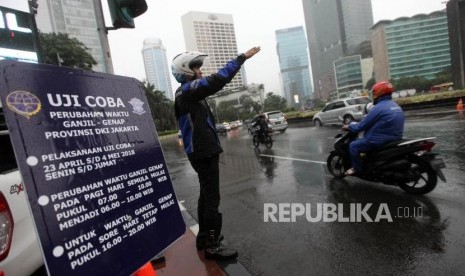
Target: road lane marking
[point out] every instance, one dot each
(194, 228)
(294, 159)
(181, 206)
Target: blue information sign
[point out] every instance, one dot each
(93, 168)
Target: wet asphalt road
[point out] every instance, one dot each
(426, 236)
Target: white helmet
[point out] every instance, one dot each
(183, 63)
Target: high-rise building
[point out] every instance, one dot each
(156, 66)
(78, 19)
(411, 46)
(456, 24)
(213, 34)
(294, 65)
(335, 29)
(352, 74)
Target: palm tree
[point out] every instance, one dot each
(161, 107)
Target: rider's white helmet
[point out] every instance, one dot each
(183, 63)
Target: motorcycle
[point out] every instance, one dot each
(408, 163)
(264, 138)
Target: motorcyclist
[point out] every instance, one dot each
(262, 126)
(384, 123)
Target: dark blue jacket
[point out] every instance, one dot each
(384, 123)
(194, 116)
(262, 124)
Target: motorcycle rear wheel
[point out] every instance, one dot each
(335, 163)
(423, 177)
(256, 141)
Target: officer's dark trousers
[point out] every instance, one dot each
(209, 199)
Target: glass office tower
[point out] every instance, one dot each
(335, 29)
(156, 66)
(413, 46)
(294, 65)
(78, 20)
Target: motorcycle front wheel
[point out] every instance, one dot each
(335, 163)
(268, 142)
(256, 141)
(422, 177)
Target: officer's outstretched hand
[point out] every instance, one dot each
(251, 52)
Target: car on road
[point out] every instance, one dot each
(220, 128)
(19, 247)
(250, 128)
(227, 126)
(350, 109)
(239, 123)
(275, 119)
(249, 124)
(233, 125)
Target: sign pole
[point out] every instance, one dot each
(102, 31)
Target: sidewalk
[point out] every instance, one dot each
(182, 257)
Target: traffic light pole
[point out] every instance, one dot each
(103, 31)
(36, 39)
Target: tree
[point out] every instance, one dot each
(444, 76)
(274, 102)
(60, 49)
(416, 82)
(247, 103)
(226, 111)
(370, 83)
(162, 108)
(256, 107)
(421, 83)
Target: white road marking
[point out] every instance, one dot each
(294, 159)
(195, 229)
(181, 207)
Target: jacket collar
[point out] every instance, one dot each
(383, 98)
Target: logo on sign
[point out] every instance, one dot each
(23, 103)
(137, 106)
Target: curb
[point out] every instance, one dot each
(445, 112)
(169, 136)
(229, 267)
(183, 258)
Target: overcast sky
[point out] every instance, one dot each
(255, 24)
